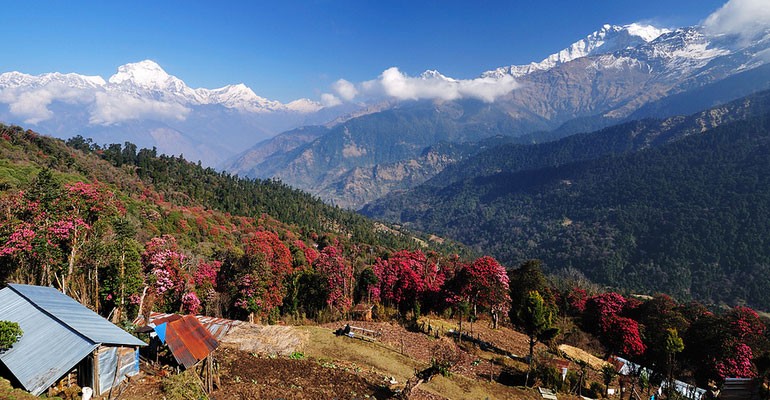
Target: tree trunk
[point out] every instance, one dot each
(531, 356)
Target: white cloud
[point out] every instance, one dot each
(32, 105)
(330, 100)
(345, 90)
(745, 18)
(112, 107)
(431, 85)
(106, 108)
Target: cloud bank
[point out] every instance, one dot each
(110, 108)
(32, 105)
(104, 107)
(431, 85)
(745, 18)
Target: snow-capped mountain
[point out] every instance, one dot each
(608, 39)
(144, 104)
(148, 79)
(597, 81)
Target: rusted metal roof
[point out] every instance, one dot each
(218, 327)
(188, 340)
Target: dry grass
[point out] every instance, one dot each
(266, 339)
(577, 354)
(381, 358)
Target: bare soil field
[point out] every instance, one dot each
(310, 362)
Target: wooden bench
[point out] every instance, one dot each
(364, 334)
(547, 393)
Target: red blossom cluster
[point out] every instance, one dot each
(406, 277)
(339, 277)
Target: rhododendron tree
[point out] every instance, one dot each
(190, 303)
(260, 285)
(310, 254)
(163, 265)
(601, 309)
(44, 231)
(339, 278)
(735, 362)
(407, 277)
(623, 336)
(484, 283)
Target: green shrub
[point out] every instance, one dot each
(184, 386)
(10, 332)
(596, 390)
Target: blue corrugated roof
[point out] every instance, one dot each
(58, 331)
(47, 349)
(75, 315)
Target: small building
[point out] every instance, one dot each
(218, 327)
(362, 312)
(188, 340)
(739, 389)
(61, 336)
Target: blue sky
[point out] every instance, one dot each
(285, 50)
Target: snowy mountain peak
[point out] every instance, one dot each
(144, 73)
(608, 39)
(18, 79)
(433, 74)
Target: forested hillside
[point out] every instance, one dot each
(127, 232)
(686, 217)
(124, 230)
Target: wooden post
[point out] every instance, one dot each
(95, 372)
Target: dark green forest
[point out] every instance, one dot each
(650, 206)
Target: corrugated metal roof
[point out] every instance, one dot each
(189, 341)
(75, 315)
(218, 327)
(47, 349)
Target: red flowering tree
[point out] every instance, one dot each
(576, 299)
(260, 282)
(164, 271)
(484, 283)
(735, 361)
(741, 332)
(44, 230)
(190, 303)
(623, 336)
(339, 278)
(205, 280)
(601, 309)
(407, 277)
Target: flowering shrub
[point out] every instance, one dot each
(190, 303)
(19, 240)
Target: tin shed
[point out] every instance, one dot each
(62, 335)
(188, 340)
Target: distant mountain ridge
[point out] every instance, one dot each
(143, 104)
(596, 82)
